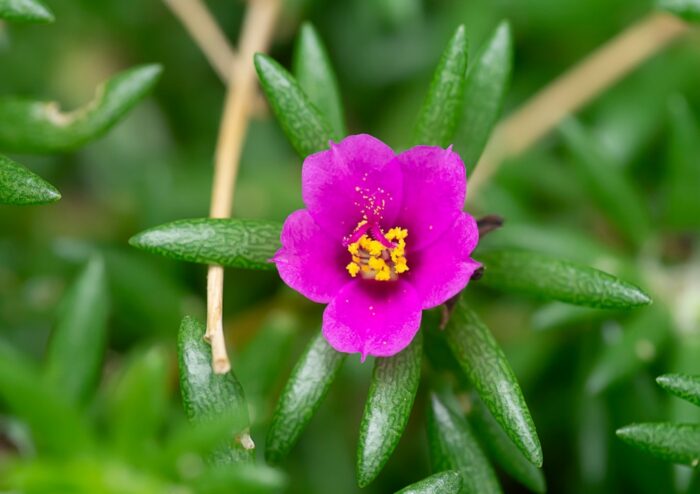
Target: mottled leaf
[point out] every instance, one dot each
(28, 126)
(683, 386)
(440, 112)
(677, 443)
(19, 186)
(530, 273)
(234, 243)
(447, 482)
(307, 387)
(487, 368)
(25, 11)
(391, 394)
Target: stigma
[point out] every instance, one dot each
(377, 255)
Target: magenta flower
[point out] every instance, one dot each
(383, 237)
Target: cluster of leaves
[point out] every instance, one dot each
(462, 106)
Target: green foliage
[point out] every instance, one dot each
(307, 130)
(235, 243)
(440, 112)
(486, 366)
(19, 186)
(485, 89)
(41, 127)
(389, 402)
(677, 443)
(25, 11)
(315, 75)
(687, 9)
(447, 482)
(533, 274)
(683, 386)
(307, 387)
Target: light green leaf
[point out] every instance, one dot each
(313, 71)
(307, 387)
(305, 127)
(244, 478)
(391, 394)
(486, 366)
(447, 482)
(77, 345)
(25, 11)
(677, 443)
(440, 112)
(19, 186)
(613, 192)
(485, 89)
(643, 336)
(234, 243)
(207, 396)
(683, 386)
(533, 274)
(687, 9)
(502, 450)
(454, 447)
(41, 127)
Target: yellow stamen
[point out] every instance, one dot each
(374, 261)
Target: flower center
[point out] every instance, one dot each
(376, 255)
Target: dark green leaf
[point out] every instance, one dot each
(206, 395)
(677, 443)
(642, 338)
(502, 450)
(683, 386)
(530, 273)
(41, 127)
(19, 186)
(307, 387)
(487, 368)
(77, 345)
(454, 447)
(307, 130)
(388, 407)
(29, 11)
(485, 89)
(440, 112)
(235, 243)
(316, 77)
(687, 9)
(613, 192)
(447, 482)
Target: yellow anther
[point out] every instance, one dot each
(353, 269)
(373, 260)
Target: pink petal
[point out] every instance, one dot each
(354, 177)
(372, 318)
(434, 190)
(310, 261)
(442, 269)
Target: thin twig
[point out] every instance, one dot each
(202, 27)
(255, 36)
(572, 90)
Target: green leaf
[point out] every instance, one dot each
(19, 186)
(485, 89)
(305, 127)
(245, 478)
(447, 482)
(487, 368)
(41, 127)
(57, 428)
(440, 112)
(207, 396)
(683, 386)
(137, 404)
(454, 447)
(77, 345)
(25, 11)
(687, 9)
(677, 443)
(502, 450)
(533, 274)
(613, 192)
(643, 336)
(234, 243)
(307, 387)
(316, 77)
(391, 394)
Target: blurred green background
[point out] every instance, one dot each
(156, 166)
